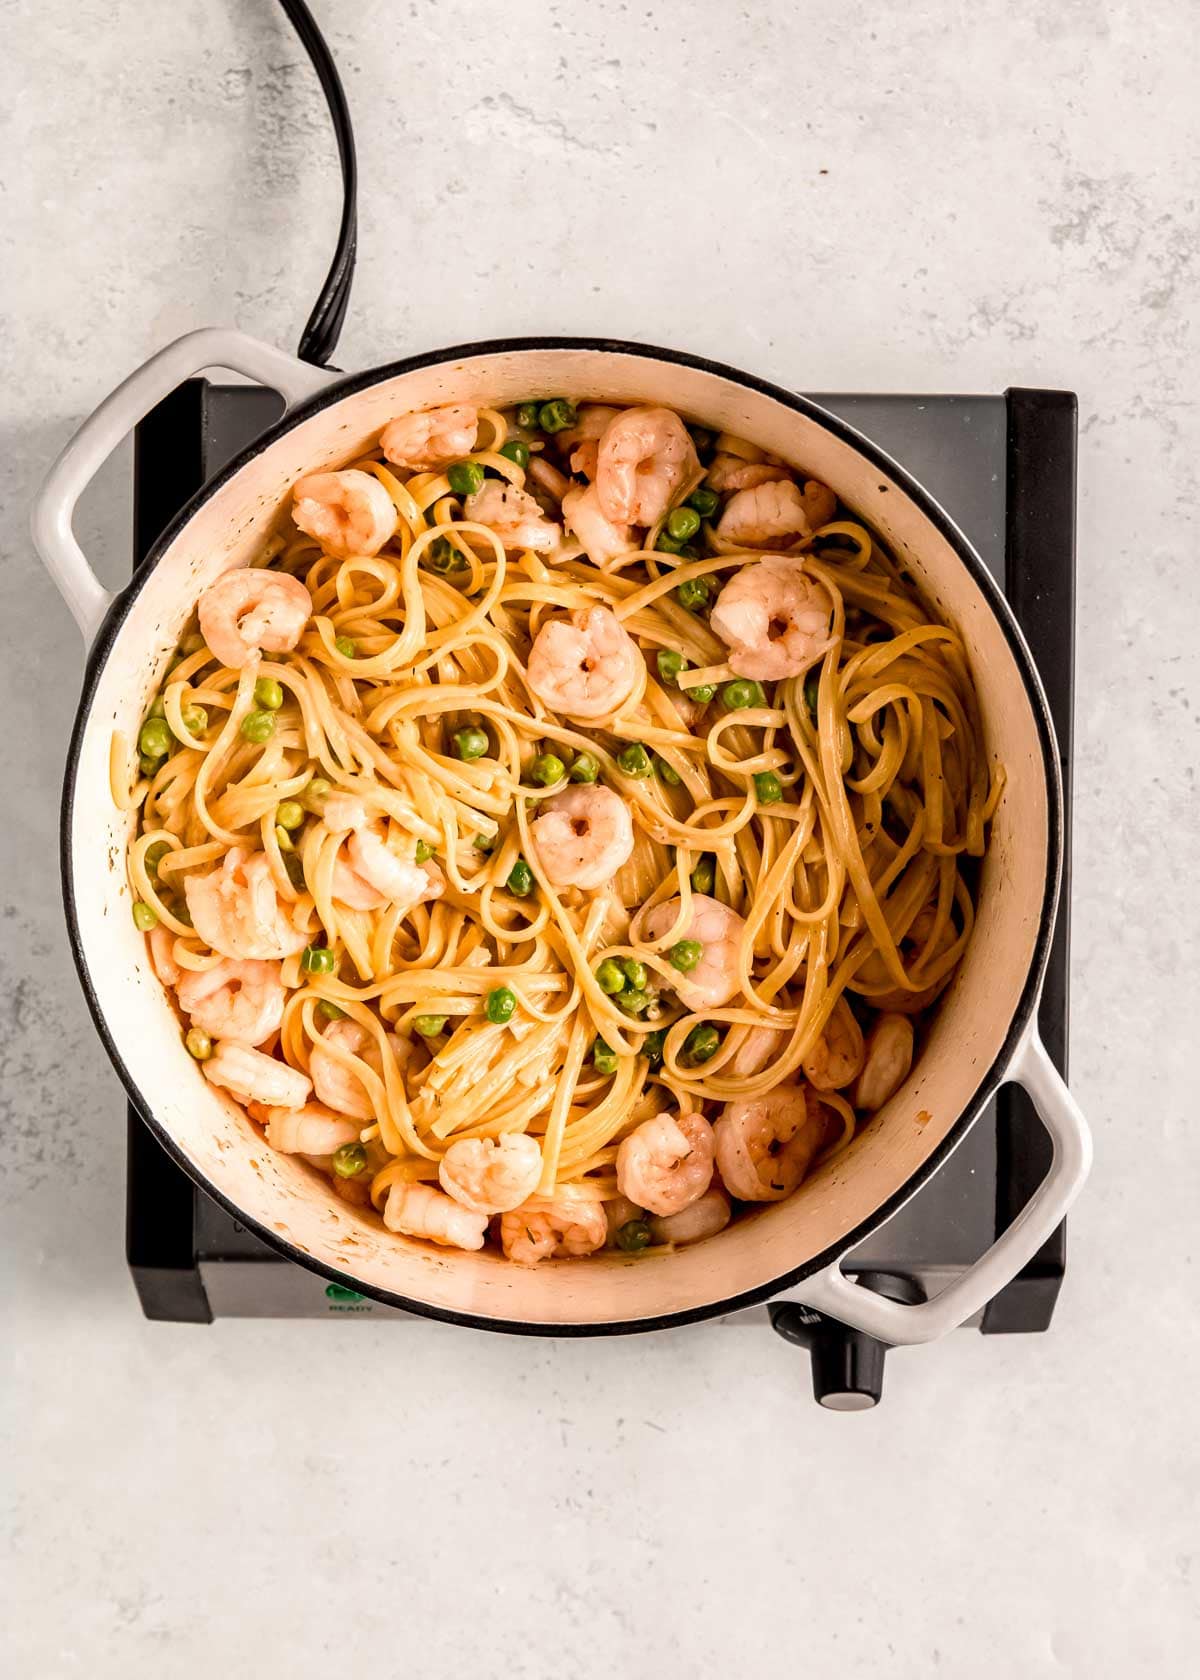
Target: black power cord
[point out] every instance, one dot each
(323, 328)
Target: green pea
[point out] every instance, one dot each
(485, 843)
(665, 543)
(198, 1044)
(633, 1237)
(634, 972)
(289, 814)
(547, 769)
(610, 976)
(557, 415)
(635, 760)
(516, 451)
(739, 695)
(441, 556)
(652, 1046)
(315, 794)
(685, 955)
(701, 1044)
(153, 856)
(429, 1026)
(349, 1160)
(144, 916)
(670, 662)
(683, 522)
(268, 693)
(812, 689)
(149, 766)
(705, 501)
(703, 876)
(294, 864)
(195, 719)
(346, 646)
(634, 1001)
(768, 789)
(317, 959)
(693, 594)
(702, 694)
(604, 1060)
(258, 726)
(584, 768)
(424, 851)
(283, 839)
(668, 774)
(157, 707)
(465, 477)
(155, 738)
(501, 1005)
(470, 743)
(527, 416)
(520, 879)
(330, 1011)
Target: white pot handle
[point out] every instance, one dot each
(100, 433)
(838, 1296)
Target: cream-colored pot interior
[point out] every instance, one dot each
(289, 1201)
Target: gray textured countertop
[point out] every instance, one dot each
(837, 196)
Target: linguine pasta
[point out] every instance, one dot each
(361, 835)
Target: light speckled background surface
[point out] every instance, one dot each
(836, 195)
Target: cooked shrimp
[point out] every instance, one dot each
(666, 1163)
(241, 1000)
(765, 1144)
(620, 1211)
(835, 1059)
(310, 1130)
(418, 1210)
(704, 1218)
(776, 515)
(586, 668)
(491, 1175)
(544, 1228)
(253, 1077)
(236, 909)
(343, 811)
(774, 618)
(889, 1055)
(513, 515)
(373, 874)
(583, 438)
(431, 438)
(688, 711)
(645, 459)
(545, 476)
(335, 1085)
(602, 541)
(732, 472)
(583, 836)
(350, 889)
(718, 929)
(162, 955)
(349, 512)
(357, 1191)
(245, 611)
(758, 1049)
(395, 879)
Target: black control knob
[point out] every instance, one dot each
(847, 1366)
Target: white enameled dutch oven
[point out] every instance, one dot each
(985, 1031)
